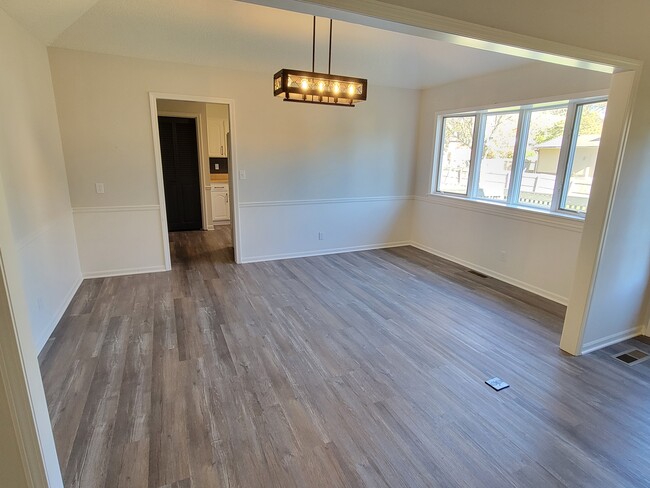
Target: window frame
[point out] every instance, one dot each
(524, 109)
(479, 154)
(440, 143)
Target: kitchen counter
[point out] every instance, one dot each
(219, 178)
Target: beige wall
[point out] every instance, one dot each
(290, 152)
(35, 184)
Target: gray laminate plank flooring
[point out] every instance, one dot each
(349, 370)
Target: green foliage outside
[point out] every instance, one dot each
(461, 129)
(591, 123)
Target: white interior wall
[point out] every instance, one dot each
(291, 153)
(540, 250)
(38, 259)
(617, 279)
(35, 184)
(596, 222)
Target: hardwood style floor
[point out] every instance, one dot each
(350, 370)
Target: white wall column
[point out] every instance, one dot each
(611, 272)
(20, 370)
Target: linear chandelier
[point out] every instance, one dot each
(312, 87)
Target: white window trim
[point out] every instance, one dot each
(573, 100)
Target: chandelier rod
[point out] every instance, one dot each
(329, 66)
(313, 47)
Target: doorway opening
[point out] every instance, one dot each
(195, 164)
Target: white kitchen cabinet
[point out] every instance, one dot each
(220, 202)
(218, 129)
(217, 139)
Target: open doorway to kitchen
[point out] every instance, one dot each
(193, 139)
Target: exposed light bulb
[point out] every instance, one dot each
(304, 85)
(321, 86)
(337, 88)
(351, 89)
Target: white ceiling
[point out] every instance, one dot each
(242, 36)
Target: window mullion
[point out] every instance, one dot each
(477, 151)
(436, 168)
(519, 157)
(561, 180)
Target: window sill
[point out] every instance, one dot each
(526, 214)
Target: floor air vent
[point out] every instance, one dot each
(477, 273)
(632, 357)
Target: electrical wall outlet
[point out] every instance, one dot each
(99, 187)
(242, 174)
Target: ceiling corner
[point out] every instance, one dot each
(46, 19)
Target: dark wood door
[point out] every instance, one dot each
(180, 162)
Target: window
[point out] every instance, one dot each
(455, 156)
(582, 156)
(495, 170)
(540, 156)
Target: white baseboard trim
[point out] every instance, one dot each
(611, 339)
(47, 332)
(124, 272)
(323, 252)
(494, 274)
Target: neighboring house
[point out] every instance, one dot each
(584, 160)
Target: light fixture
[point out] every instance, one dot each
(312, 87)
